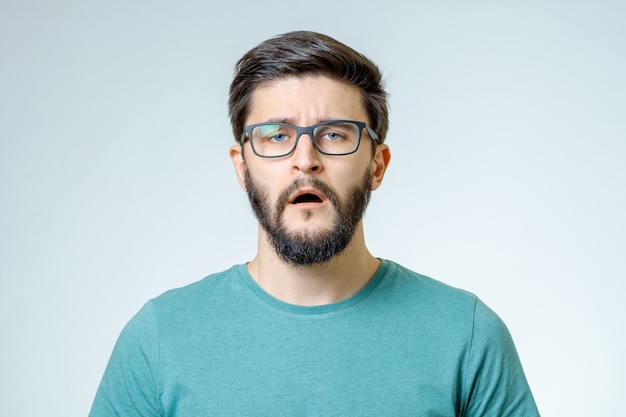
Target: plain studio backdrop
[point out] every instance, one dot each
(508, 174)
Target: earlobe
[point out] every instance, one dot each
(236, 156)
(380, 162)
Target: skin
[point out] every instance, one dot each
(303, 102)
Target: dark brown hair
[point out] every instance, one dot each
(298, 54)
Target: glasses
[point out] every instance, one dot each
(333, 137)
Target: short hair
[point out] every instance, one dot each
(302, 53)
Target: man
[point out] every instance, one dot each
(314, 325)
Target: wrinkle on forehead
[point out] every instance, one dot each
(304, 101)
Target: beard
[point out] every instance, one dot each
(310, 247)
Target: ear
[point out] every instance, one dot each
(236, 155)
(380, 162)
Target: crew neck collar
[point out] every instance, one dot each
(331, 308)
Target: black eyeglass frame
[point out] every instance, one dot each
(247, 132)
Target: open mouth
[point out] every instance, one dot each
(307, 198)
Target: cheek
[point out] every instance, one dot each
(347, 181)
(355, 173)
(268, 182)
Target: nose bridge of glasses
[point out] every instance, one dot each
(309, 131)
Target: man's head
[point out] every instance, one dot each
(312, 154)
(300, 54)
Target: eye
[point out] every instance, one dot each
(331, 133)
(333, 136)
(279, 137)
(272, 133)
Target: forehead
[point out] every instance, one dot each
(306, 100)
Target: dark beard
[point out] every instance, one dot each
(310, 248)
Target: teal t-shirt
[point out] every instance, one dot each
(405, 345)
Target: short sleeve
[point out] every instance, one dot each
(495, 384)
(129, 386)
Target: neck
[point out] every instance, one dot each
(310, 285)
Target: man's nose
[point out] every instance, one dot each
(305, 156)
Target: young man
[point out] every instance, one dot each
(314, 325)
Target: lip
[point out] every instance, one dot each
(304, 191)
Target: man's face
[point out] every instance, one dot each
(308, 204)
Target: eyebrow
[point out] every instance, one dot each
(291, 122)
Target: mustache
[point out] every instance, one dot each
(312, 182)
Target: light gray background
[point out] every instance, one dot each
(508, 173)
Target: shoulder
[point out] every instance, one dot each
(211, 292)
(421, 296)
(423, 289)
(450, 308)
